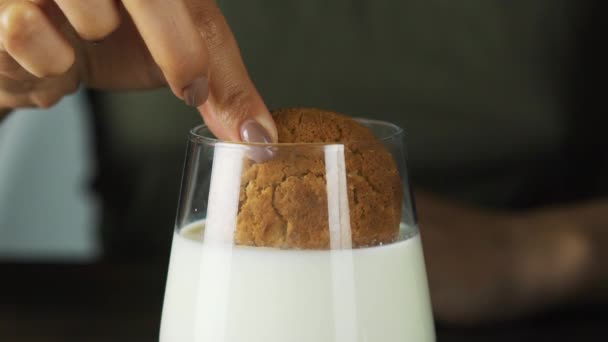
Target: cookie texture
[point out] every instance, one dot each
(284, 201)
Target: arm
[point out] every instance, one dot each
(488, 265)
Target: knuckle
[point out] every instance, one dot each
(233, 104)
(17, 20)
(211, 24)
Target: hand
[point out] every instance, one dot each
(487, 265)
(48, 48)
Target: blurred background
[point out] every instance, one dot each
(501, 102)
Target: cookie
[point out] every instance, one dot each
(284, 201)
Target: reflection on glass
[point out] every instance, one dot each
(308, 243)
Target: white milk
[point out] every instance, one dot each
(225, 293)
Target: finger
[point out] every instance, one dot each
(51, 91)
(11, 101)
(93, 20)
(30, 38)
(10, 69)
(18, 86)
(42, 93)
(235, 111)
(175, 44)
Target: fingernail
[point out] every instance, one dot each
(253, 132)
(197, 92)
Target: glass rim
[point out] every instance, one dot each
(196, 137)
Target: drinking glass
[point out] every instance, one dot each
(297, 243)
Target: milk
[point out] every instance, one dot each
(217, 292)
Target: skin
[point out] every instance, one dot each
(483, 265)
(49, 48)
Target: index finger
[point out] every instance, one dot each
(175, 45)
(235, 110)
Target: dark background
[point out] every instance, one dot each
(119, 298)
(115, 302)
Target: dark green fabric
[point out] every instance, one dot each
(481, 88)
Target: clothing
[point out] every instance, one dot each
(484, 89)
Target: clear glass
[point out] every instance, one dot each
(297, 243)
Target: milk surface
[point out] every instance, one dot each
(217, 292)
